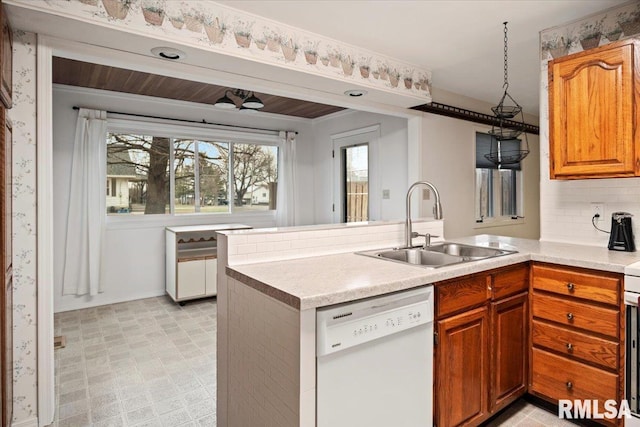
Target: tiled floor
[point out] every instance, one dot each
(524, 414)
(142, 363)
(153, 363)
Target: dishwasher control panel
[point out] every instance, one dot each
(341, 329)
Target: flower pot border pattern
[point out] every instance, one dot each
(209, 24)
(614, 24)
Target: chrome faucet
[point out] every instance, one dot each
(437, 210)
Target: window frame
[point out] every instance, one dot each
(496, 194)
(160, 128)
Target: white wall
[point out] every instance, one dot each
(135, 248)
(448, 161)
(391, 162)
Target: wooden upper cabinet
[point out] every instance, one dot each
(6, 58)
(593, 113)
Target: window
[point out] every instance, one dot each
(172, 175)
(498, 192)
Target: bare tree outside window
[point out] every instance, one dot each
(255, 173)
(138, 167)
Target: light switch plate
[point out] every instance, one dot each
(386, 194)
(426, 194)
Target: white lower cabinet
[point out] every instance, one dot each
(191, 260)
(192, 281)
(211, 276)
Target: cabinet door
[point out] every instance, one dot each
(592, 113)
(509, 346)
(191, 279)
(211, 273)
(462, 368)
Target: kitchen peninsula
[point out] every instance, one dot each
(267, 310)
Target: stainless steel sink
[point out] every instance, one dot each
(438, 255)
(419, 256)
(467, 251)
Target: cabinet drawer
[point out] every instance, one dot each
(576, 344)
(511, 281)
(560, 378)
(461, 294)
(574, 313)
(602, 288)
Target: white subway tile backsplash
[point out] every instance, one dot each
(273, 246)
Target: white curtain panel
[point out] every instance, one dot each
(285, 209)
(87, 211)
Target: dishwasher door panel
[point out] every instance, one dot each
(384, 382)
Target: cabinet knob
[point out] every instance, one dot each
(569, 316)
(569, 346)
(570, 286)
(569, 385)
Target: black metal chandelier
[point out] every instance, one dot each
(505, 128)
(249, 101)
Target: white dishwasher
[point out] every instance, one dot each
(375, 361)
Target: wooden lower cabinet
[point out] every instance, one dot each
(577, 335)
(482, 348)
(462, 373)
(509, 344)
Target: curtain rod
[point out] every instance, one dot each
(203, 122)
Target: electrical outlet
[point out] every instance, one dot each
(426, 194)
(597, 209)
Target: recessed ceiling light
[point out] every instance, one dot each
(355, 92)
(168, 53)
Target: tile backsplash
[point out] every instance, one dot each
(566, 209)
(246, 247)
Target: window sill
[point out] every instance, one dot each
(499, 222)
(167, 220)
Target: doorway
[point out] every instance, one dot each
(355, 182)
(354, 174)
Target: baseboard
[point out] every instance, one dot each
(84, 301)
(30, 422)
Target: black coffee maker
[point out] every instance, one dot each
(621, 238)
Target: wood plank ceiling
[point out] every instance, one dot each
(84, 74)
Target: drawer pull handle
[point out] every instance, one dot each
(569, 346)
(569, 316)
(569, 385)
(570, 286)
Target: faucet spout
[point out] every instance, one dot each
(437, 209)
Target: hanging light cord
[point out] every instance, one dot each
(506, 67)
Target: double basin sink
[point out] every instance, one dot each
(437, 255)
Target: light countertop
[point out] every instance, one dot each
(326, 280)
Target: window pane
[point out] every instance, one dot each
(356, 180)
(255, 177)
(185, 176)
(509, 193)
(214, 176)
(137, 168)
(484, 193)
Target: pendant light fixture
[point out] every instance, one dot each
(249, 101)
(507, 125)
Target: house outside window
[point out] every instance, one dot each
(498, 192)
(157, 171)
